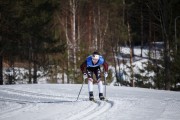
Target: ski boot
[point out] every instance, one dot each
(91, 96)
(101, 97)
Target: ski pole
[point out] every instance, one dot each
(80, 90)
(105, 86)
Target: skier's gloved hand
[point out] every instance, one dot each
(105, 74)
(85, 76)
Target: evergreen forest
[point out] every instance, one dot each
(57, 36)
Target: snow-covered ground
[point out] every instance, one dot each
(58, 102)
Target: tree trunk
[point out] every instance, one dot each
(63, 71)
(165, 17)
(115, 64)
(95, 30)
(30, 62)
(150, 34)
(1, 70)
(142, 31)
(98, 29)
(90, 21)
(30, 75)
(119, 64)
(131, 56)
(73, 33)
(35, 70)
(68, 64)
(1, 63)
(167, 65)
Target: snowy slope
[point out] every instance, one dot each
(58, 102)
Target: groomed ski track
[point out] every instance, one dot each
(96, 109)
(26, 100)
(58, 102)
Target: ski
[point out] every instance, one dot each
(106, 100)
(93, 101)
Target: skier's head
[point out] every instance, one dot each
(95, 57)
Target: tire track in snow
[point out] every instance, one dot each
(94, 111)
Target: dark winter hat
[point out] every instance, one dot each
(95, 56)
(95, 53)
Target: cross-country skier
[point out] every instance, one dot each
(92, 66)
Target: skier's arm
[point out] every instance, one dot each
(83, 67)
(105, 65)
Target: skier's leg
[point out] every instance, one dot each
(90, 84)
(90, 88)
(100, 85)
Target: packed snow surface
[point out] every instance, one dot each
(58, 102)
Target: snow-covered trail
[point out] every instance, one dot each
(58, 102)
(47, 102)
